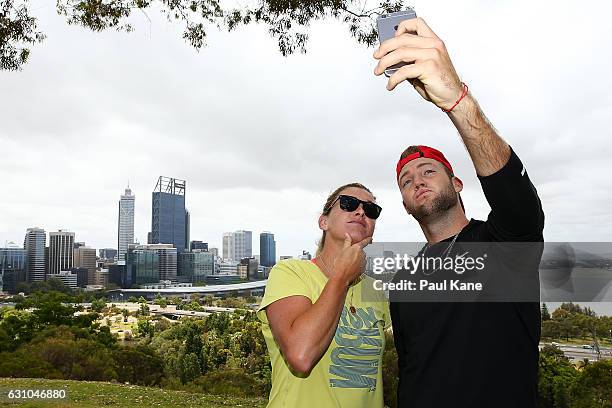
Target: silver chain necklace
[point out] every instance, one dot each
(444, 254)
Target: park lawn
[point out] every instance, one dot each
(86, 394)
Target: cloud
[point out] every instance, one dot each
(261, 139)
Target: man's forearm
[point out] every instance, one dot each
(489, 152)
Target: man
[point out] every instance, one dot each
(461, 354)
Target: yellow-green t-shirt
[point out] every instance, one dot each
(349, 374)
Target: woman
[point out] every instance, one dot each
(325, 339)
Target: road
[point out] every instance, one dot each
(577, 353)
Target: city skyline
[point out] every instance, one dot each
(261, 151)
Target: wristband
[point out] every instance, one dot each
(463, 93)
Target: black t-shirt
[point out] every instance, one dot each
(476, 354)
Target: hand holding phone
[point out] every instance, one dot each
(387, 26)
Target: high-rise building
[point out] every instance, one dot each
(267, 249)
(228, 245)
(195, 266)
(61, 251)
(34, 244)
(85, 257)
(170, 219)
(67, 277)
(108, 254)
(247, 269)
(125, 234)
(243, 245)
(198, 245)
(150, 264)
(12, 267)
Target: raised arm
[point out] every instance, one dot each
(433, 75)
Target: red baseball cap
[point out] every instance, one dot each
(426, 152)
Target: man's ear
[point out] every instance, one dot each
(323, 222)
(457, 184)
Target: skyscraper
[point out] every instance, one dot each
(85, 257)
(61, 251)
(151, 263)
(125, 234)
(12, 267)
(228, 245)
(34, 244)
(267, 249)
(243, 244)
(170, 219)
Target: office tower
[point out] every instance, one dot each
(243, 245)
(34, 244)
(85, 258)
(125, 234)
(214, 251)
(67, 277)
(61, 248)
(150, 264)
(195, 266)
(12, 267)
(267, 249)
(247, 269)
(109, 254)
(228, 245)
(170, 219)
(198, 245)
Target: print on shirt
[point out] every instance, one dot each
(359, 345)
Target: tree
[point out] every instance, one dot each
(190, 368)
(145, 328)
(545, 313)
(556, 375)
(97, 305)
(287, 21)
(593, 388)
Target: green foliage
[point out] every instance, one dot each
(286, 21)
(390, 371)
(52, 284)
(190, 367)
(145, 328)
(97, 305)
(593, 388)
(230, 382)
(573, 321)
(545, 313)
(556, 375)
(138, 365)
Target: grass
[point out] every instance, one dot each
(86, 394)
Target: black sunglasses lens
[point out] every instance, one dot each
(348, 203)
(371, 210)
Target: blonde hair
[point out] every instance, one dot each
(328, 206)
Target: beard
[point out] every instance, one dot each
(441, 203)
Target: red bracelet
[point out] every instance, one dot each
(463, 93)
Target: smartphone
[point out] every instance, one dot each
(387, 26)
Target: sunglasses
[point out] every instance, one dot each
(349, 203)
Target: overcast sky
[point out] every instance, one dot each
(262, 139)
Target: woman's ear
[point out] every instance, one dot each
(323, 222)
